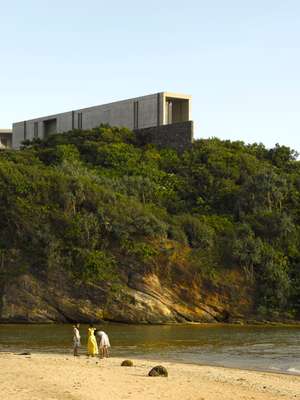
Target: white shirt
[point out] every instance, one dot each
(76, 337)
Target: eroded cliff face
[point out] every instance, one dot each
(143, 299)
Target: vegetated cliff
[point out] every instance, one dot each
(96, 226)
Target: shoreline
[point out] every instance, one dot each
(42, 376)
(240, 323)
(150, 359)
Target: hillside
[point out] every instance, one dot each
(95, 225)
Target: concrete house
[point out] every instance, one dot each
(5, 138)
(162, 118)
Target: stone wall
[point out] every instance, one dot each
(178, 136)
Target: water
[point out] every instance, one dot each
(265, 348)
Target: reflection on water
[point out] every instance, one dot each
(254, 347)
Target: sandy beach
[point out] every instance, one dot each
(63, 377)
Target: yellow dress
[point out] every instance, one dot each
(92, 343)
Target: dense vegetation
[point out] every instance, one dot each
(100, 205)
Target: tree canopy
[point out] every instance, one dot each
(101, 206)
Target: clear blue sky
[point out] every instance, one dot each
(239, 59)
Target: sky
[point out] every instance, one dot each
(239, 59)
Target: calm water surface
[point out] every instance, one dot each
(254, 347)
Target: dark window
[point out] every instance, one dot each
(25, 130)
(50, 127)
(169, 112)
(79, 120)
(158, 109)
(36, 130)
(135, 115)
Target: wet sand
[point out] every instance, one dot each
(61, 377)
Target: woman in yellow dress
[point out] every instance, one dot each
(92, 346)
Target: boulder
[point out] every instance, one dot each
(159, 370)
(127, 363)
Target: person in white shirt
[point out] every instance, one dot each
(103, 343)
(76, 339)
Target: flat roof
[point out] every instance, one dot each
(5, 130)
(177, 95)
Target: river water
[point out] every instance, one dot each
(267, 348)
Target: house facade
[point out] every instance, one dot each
(149, 115)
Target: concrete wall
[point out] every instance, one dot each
(18, 134)
(137, 113)
(26, 129)
(121, 113)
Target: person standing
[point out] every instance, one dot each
(103, 343)
(92, 346)
(76, 339)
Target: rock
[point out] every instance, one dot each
(147, 299)
(159, 370)
(24, 354)
(127, 363)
